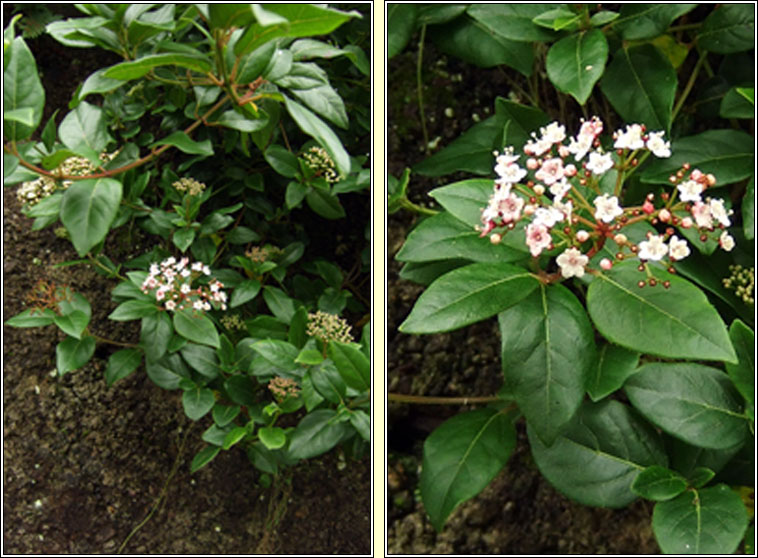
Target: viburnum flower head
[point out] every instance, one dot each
(607, 208)
(572, 263)
(171, 281)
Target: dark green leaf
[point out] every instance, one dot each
(196, 327)
(186, 144)
(197, 402)
(272, 437)
(677, 322)
(729, 28)
(22, 89)
(224, 414)
(317, 433)
(513, 21)
(467, 295)
(659, 484)
(279, 354)
(201, 358)
(735, 105)
(73, 324)
(362, 423)
(203, 457)
(325, 204)
(597, 459)
(32, 317)
(401, 21)
(575, 63)
(614, 365)
(244, 292)
(352, 364)
(133, 310)
(84, 131)
(282, 161)
(743, 373)
(707, 521)
(324, 100)
(281, 305)
(121, 364)
(748, 210)
(134, 69)
(695, 403)
(155, 335)
(88, 209)
(461, 457)
(647, 21)
(328, 381)
(72, 354)
(241, 390)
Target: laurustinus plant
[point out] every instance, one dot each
(617, 258)
(197, 175)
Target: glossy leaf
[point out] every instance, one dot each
(443, 237)
(244, 292)
(353, 365)
(225, 414)
(513, 21)
(32, 317)
(401, 21)
(707, 521)
(548, 350)
(677, 322)
(73, 323)
(72, 354)
(575, 63)
(88, 209)
(640, 83)
(328, 382)
(203, 457)
(201, 358)
(282, 161)
(464, 200)
(272, 437)
(728, 154)
(602, 451)
(736, 105)
(325, 101)
(133, 310)
(155, 335)
(729, 28)
(321, 132)
(134, 69)
(461, 457)
(22, 89)
(279, 354)
(614, 365)
(467, 295)
(317, 433)
(197, 402)
(84, 131)
(748, 210)
(121, 364)
(281, 305)
(646, 21)
(196, 327)
(325, 204)
(362, 423)
(692, 402)
(659, 484)
(558, 19)
(743, 373)
(184, 143)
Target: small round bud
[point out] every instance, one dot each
(641, 284)
(652, 282)
(582, 236)
(620, 239)
(696, 175)
(635, 162)
(665, 196)
(569, 170)
(686, 222)
(634, 248)
(532, 199)
(711, 179)
(619, 152)
(703, 237)
(672, 179)
(669, 231)
(641, 267)
(539, 189)
(664, 215)
(619, 256)
(686, 166)
(563, 151)
(496, 238)
(606, 264)
(532, 164)
(680, 174)
(671, 270)
(583, 181)
(648, 207)
(666, 284)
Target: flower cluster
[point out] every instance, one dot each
(232, 321)
(742, 281)
(328, 327)
(319, 161)
(32, 192)
(260, 254)
(283, 387)
(189, 186)
(171, 282)
(557, 195)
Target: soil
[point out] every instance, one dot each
(519, 512)
(84, 464)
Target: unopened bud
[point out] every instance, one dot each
(620, 239)
(569, 170)
(664, 215)
(539, 189)
(686, 222)
(648, 207)
(495, 238)
(563, 151)
(531, 163)
(582, 236)
(606, 264)
(711, 180)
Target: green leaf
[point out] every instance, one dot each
(559, 19)
(647, 21)
(309, 356)
(614, 365)
(155, 335)
(677, 322)
(201, 358)
(748, 210)
(234, 436)
(548, 350)
(22, 89)
(514, 21)
(603, 17)
(362, 423)
(443, 237)
(121, 364)
(241, 390)
(472, 42)
(279, 303)
(244, 292)
(313, 126)
(468, 294)
(707, 521)
(324, 100)
(401, 21)
(73, 324)
(134, 69)
(183, 238)
(729, 28)
(317, 433)
(84, 130)
(32, 317)
(97, 83)
(597, 459)
(736, 105)
(659, 484)
(575, 63)
(165, 373)
(352, 364)
(700, 477)
(728, 154)
(743, 373)
(640, 83)
(692, 402)
(203, 457)
(272, 437)
(228, 15)
(133, 310)
(72, 354)
(196, 327)
(307, 49)
(197, 402)
(461, 457)
(224, 414)
(279, 354)
(325, 204)
(88, 209)
(24, 116)
(282, 161)
(295, 194)
(186, 144)
(328, 382)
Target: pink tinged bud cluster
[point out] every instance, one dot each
(171, 281)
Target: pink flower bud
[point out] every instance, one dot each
(664, 215)
(606, 264)
(686, 222)
(496, 238)
(648, 207)
(711, 180)
(569, 170)
(529, 209)
(539, 189)
(532, 163)
(696, 175)
(582, 235)
(563, 151)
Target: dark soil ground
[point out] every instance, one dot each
(83, 465)
(519, 512)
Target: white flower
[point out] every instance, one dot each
(678, 249)
(185, 272)
(198, 305)
(550, 172)
(537, 238)
(206, 270)
(564, 208)
(170, 305)
(599, 162)
(509, 208)
(572, 263)
(560, 188)
(160, 294)
(547, 216)
(154, 269)
(726, 241)
(197, 266)
(511, 173)
(654, 248)
(537, 147)
(185, 288)
(718, 212)
(580, 145)
(702, 214)
(591, 128)
(607, 208)
(690, 190)
(553, 132)
(657, 145)
(630, 139)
